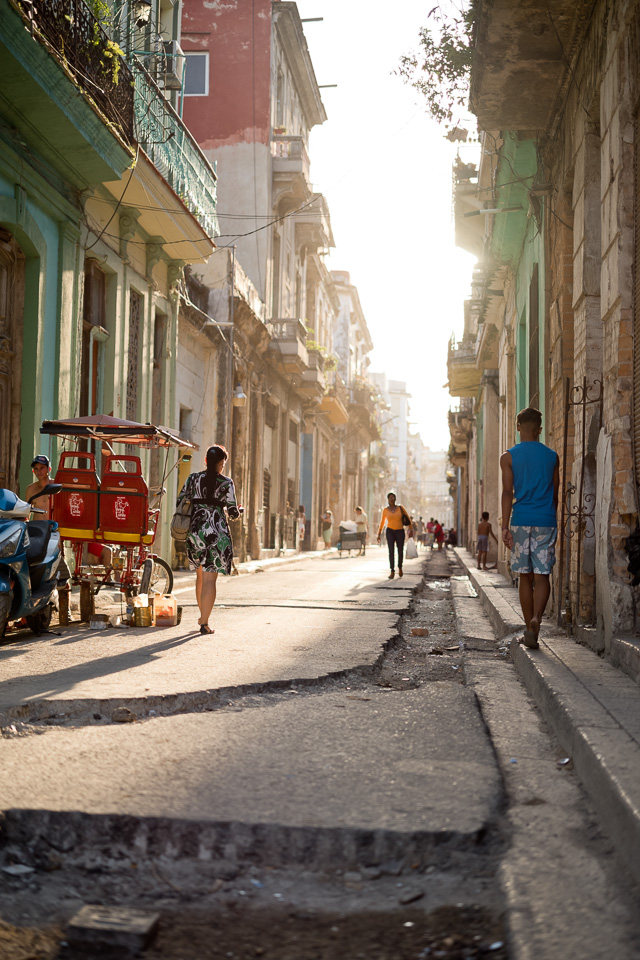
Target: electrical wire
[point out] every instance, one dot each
(117, 206)
(214, 237)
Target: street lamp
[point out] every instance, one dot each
(238, 397)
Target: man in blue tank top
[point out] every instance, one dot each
(530, 482)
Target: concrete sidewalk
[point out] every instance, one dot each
(592, 707)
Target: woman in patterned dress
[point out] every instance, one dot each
(209, 546)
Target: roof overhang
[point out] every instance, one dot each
(162, 212)
(523, 53)
(292, 39)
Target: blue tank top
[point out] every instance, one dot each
(533, 466)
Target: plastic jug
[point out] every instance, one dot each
(166, 611)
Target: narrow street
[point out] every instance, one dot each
(320, 779)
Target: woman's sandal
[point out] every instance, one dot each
(205, 628)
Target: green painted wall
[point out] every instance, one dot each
(479, 454)
(518, 241)
(38, 233)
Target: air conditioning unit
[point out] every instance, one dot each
(171, 66)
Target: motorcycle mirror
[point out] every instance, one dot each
(50, 490)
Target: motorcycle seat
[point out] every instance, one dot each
(38, 531)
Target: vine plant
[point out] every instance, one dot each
(441, 68)
(111, 52)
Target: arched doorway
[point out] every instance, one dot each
(12, 264)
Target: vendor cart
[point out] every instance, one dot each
(115, 515)
(351, 539)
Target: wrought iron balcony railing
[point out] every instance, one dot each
(81, 45)
(173, 151)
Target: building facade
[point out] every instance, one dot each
(105, 198)
(273, 308)
(556, 199)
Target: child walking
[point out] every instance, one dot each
(484, 532)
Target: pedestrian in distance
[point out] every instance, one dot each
(430, 535)
(530, 483)
(209, 544)
(484, 532)
(392, 517)
(362, 526)
(438, 534)
(327, 527)
(302, 525)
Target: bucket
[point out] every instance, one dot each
(166, 610)
(142, 616)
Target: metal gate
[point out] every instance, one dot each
(577, 516)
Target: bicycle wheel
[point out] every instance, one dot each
(161, 578)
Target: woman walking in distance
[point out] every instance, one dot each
(392, 516)
(209, 546)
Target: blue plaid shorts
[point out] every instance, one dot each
(534, 549)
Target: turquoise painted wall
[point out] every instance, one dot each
(479, 454)
(532, 255)
(37, 232)
(518, 241)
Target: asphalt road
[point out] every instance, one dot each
(297, 621)
(313, 733)
(322, 761)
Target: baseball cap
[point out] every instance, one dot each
(41, 459)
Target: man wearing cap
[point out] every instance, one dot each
(41, 467)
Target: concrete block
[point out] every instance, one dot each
(123, 927)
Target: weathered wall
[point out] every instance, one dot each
(589, 160)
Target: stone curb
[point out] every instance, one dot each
(120, 835)
(593, 728)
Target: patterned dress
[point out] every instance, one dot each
(209, 541)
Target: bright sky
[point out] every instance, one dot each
(385, 169)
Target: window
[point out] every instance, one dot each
(93, 335)
(196, 75)
(280, 100)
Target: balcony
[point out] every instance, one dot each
(464, 376)
(173, 151)
(65, 89)
(335, 401)
(460, 429)
(313, 379)
(362, 397)
(290, 169)
(520, 60)
(362, 407)
(289, 345)
(313, 225)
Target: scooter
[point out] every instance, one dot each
(30, 556)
